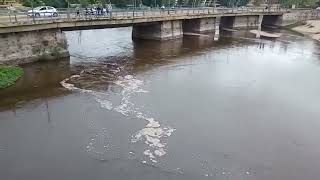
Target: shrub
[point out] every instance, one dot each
(9, 75)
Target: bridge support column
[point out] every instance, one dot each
(200, 25)
(259, 25)
(217, 28)
(164, 30)
(246, 22)
(26, 47)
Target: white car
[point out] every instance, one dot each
(43, 11)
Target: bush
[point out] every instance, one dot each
(9, 75)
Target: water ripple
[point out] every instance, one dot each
(153, 134)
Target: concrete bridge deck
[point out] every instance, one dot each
(21, 22)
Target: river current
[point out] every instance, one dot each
(239, 108)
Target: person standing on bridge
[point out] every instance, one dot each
(162, 8)
(77, 12)
(109, 9)
(98, 10)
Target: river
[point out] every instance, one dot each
(238, 108)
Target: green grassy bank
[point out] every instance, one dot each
(9, 75)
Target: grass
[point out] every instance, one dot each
(9, 75)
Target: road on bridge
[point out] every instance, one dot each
(23, 18)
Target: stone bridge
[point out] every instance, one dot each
(30, 40)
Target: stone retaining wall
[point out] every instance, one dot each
(26, 47)
(297, 16)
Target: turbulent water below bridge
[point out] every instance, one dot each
(192, 108)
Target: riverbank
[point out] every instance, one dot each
(311, 28)
(9, 75)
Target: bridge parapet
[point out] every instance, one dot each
(22, 19)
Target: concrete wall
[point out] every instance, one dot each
(158, 31)
(199, 25)
(26, 47)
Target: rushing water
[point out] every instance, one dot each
(239, 109)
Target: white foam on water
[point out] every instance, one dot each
(99, 96)
(159, 152)
(69, 86)
(149, 153)
(104, 103)
(152, 134)
(152, 123)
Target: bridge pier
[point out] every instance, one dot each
(163, 30)
(259, 25)
(31, 46)
(217, 28)
(200, 25)
(246, 22)
(240, 22)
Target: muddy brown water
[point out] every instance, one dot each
(239, 109)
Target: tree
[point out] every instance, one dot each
(33, 3)
(83, 3)
(233, 3)
(56, 3)
(121, 3)
(301, 3)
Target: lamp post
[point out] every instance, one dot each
(68, 15)
(32, 11)
(134, 7)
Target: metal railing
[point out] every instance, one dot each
(23, 17)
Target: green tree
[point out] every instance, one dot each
(121, 3)
(54, 3)
(84, 3)
(299, 3)
(233, 3)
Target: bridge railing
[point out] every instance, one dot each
(13, 17)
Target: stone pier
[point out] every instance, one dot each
(259, 25)
(31, 46)
(164, 30)
(217, 28)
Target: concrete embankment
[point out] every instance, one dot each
(311, 28)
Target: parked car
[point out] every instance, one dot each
(43, 11)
